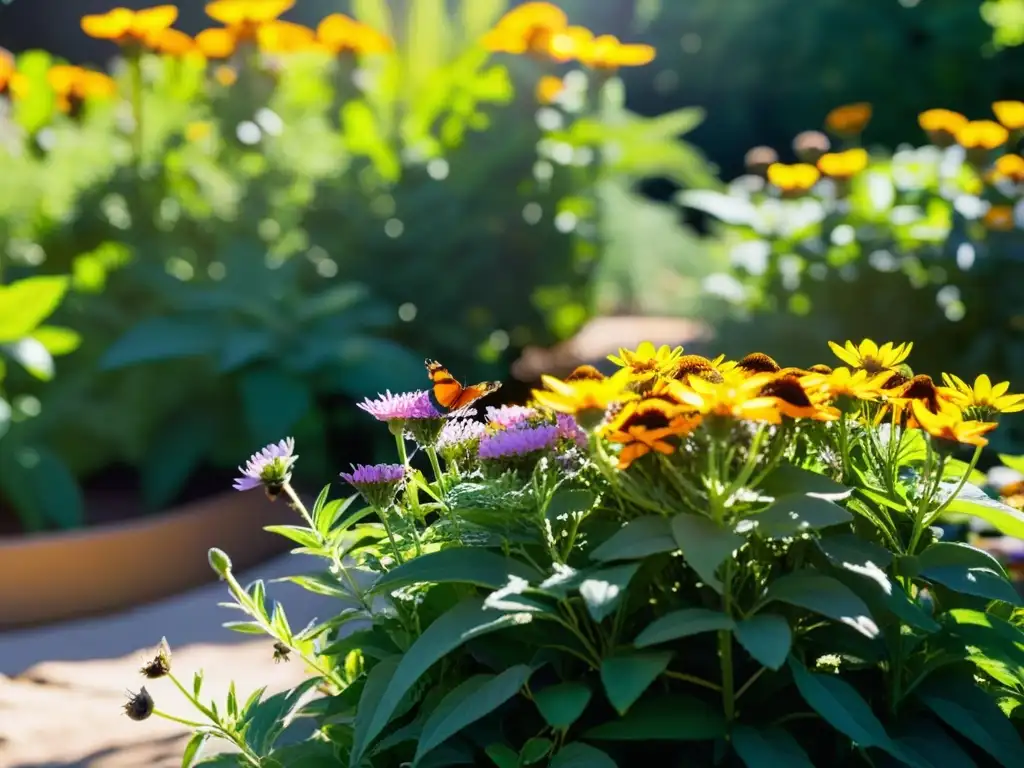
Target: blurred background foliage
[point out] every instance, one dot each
(289, 239)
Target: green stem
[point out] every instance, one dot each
(173, 719)
(391, 536)
(135, 63)
(692, 679)
(959, 486)
(436, 466)
(725, 648)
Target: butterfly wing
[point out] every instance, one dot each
(446, 390)
(474, 393)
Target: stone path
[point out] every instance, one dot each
(62, 687)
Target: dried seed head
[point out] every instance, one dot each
(139, 705)
(160, 665)
(281, 652)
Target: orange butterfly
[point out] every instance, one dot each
(449, 395)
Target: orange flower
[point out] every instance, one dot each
(549, 88)
(340, 34)
(75, 85)
(951, 426)
(11, 81)
(172, 42)
(644, 426)
(843, 165)
(124, 26)
(999, 218)
(528, 28)
(244, 17)
(608, 54)
(793, 180)
(1010, 167)
(982, 134)
(941, 125)
(217, 43)
(568, 45)
(1010, 114)
(278, 37)
(849, 119)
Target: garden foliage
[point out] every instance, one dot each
(691, 561)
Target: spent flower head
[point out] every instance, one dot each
(270, 467)
(160, 665)
(376, 483)
(139, 705)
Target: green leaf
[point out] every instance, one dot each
(767, 638)
(965, 569)
(271, 716)
(158, 338)
(561, 705)
(503, 756)
(464, 622)
(26, 303)
(242, 346)
(466, 703)
(973, 501)
(466, 565)
(788, 479)
(705, 545)
(972, 712)
(841, 706)
(683, 623)
(273, 402)
(32, 356)
(330, 512)
(569, 504)
(626, 677)
(664, 718)
(933, 747)
(986, 631)
(535, 750)
(602, 591)
(794, 514)
(319, 583)
(192, 749)
(1013, 462)
(57, 340)
(770, 747)
(847, 548)
(377, 681)
(174, 453)
(637, 539)
(822, 594)
(580, 755)
(478, 16)
(52, 491)
(298, 534)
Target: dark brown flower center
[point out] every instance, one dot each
(789, 390)
(820, 368)
(922, 388)
(758, 362)
(585, 373)
(695, 365)
(896, 380)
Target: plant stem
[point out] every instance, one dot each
(692, 679)
(959, 486)
(436, 466)
(725, 648)
(135, 63)
(391, 536)
(298, 506)
(173, 719)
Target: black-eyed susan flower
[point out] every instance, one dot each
(140, 706)
(73, 86)
(646, 426)
(792, 399)
(127, 27)
(528, 28)
(586, 399)
(569, 44)
(843, 166)
(757, 362)
(845, 383)
(549, 88)
(1013, 494)
(949, 426)
(172, 42)
(849, 119)
(12, 82)
(941, 125)
(730, 399)
(1010, 114)
(245, 17)
(607, 53)
(646, 359)
(696, 365)
(217, 43)
(980, 137)
(870, 357)
(810, 145)
(282, 37)
(1009, 167)
(758, 160)
(920, 389)
(982, 400)
(793, 180)
(999, 218)
(341, 34)
(582, 372)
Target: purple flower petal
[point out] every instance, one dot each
(271, 464)
(408, 405)
(517, 442)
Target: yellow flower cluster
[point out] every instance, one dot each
(659, 396)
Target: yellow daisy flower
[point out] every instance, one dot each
(951, 427)
(984, 399)
(795, 401)
(844, 382)
(588, 397)
(870, 357)
(644, 426)
(646, 359)
(732, 399)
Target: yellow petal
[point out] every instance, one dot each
(153, 19)
(982, 387)
(216, 43)
(108, 26)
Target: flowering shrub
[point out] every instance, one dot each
(690, 560)
(843, 234)
(224, 205)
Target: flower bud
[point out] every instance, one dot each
(220, 562)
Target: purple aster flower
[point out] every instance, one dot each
(408, 405)
(377, 483)
(509, 415)
(517, 442)
(568, 429)
(270, 468)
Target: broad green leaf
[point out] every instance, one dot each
(671, 125)
(193, 748)
(466, 703)
(158, 338)
(602, 591)
(637, 539)
(933, 747)
(57, 340)
(768, 747)
(847, 548)
(464, 622)
(503, 756)
(841, 706)
(626, 677)
(963, 568)
(794, 514)
(173, 455)
(788, 479)
(972, 712)
(271, 716)
(298, 534)
(273, 402)
(568, 504)
(986, 631)
(535, 750)
(767, 638)
(822, 594)
(26, 303)
(683, 623)
(580, 755)
(973, 501)
(319, 583)
(468, 565)
(562, 704)
(705, 545)
(50, 489)
(1013, 462)
(664, 718)
(378, 679)
(426, 44)
(955, 469)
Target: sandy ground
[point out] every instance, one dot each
(62, 687)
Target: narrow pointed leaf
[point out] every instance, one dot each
(677, 624)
